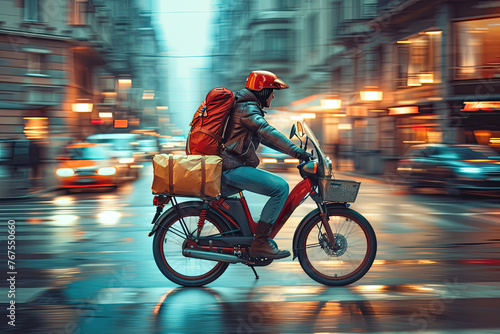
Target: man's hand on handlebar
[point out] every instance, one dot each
(303, 155)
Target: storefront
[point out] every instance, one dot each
(478, 122)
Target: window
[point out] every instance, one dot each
(477, 49)
(83, 71)
(419, 59)
(369, 8)
(107, 83)
(334, 19)
(313, 32)
(36, 63)
(121, 9)
(78, 12)
(286, 4)
(42, 95)
(276, 45)
(31, 12)
(147, 45)
(373, 65)
(144, 20)
(350, 10)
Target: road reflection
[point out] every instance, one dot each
(262, 309)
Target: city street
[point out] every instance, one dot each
(84, 264)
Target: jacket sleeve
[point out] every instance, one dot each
(253, 120)
(270, 144)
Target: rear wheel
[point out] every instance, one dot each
(346, 260)
(168, 244)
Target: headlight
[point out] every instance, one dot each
(106, 171)
(269, 161)
(470, 170)
(470, 173)
(126, 160)
(65, 172)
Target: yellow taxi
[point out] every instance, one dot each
(85, 165)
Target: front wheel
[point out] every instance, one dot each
(168, 243)
(346, 260)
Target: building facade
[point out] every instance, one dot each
(73, 68)
(401, 71)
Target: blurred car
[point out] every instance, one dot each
(273, 160)
(172, 145)
(147, 147)
(453, 167)
(123, 147)
(89, 165)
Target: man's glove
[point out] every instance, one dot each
(303, 155)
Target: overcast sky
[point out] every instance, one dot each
(185, 27)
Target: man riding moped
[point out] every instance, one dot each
(246, 129)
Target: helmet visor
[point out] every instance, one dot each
(279, 84)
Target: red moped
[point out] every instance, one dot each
(195, 241)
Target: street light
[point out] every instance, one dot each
(426, 77)
(82, 107)
(371, 95)
(331, 103)
(106, 115)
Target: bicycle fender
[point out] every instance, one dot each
(299, 229)
(171, 211)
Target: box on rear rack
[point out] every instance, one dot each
(334, 190)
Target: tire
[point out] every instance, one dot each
(357, 247)
(167, 248)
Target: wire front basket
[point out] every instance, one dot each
(334, 190)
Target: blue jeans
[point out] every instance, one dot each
(261, 182)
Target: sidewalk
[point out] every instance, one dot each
(20, 186)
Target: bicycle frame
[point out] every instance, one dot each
(298, 194)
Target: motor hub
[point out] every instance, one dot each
(339, 247)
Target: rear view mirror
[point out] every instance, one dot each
(293, 131)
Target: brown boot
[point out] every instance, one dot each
(262, 246)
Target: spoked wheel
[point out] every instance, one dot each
(168, 243)
(347, 259)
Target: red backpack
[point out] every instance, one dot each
(209, 123)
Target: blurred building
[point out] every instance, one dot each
(77, 67)
(379, 75)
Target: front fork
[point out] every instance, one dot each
(323, 213)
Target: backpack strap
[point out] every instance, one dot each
(171, 173)
(203, 175)
(211, 134)
(227, 119)
(234, 140)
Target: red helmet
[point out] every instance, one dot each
(258, 80)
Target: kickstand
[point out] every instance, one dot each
(256, 276)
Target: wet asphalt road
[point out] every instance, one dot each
(84, 264)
